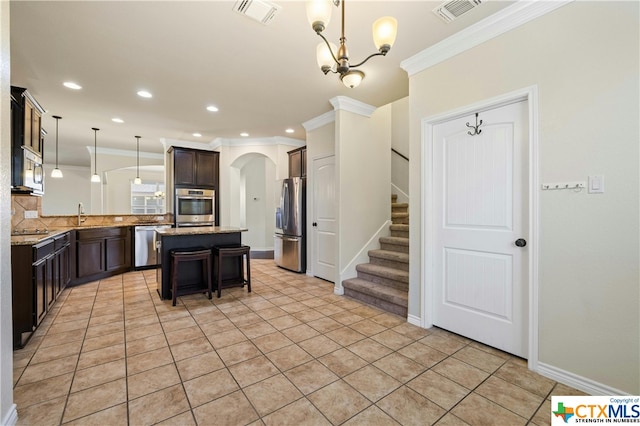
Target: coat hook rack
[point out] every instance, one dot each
(576, 186)
(476, 128)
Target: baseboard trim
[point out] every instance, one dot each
(12, 416)
(261, 254)
(415, 320)
(575, 381)
(338, 290)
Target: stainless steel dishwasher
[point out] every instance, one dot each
(144, 242)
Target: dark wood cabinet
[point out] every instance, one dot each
(51, 281)
(31, 116)
(195, 168)
(102, 252)
(184, 164)
(298, 162)
(62, 245)
(117, 253)
(26, 135)
(90, 257)
(39, 273)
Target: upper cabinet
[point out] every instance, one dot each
(195, 168)
(27, 126)
(27, 135)
(298, 162)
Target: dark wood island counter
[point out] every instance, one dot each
(191, 237)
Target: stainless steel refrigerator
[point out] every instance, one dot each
(289, 242)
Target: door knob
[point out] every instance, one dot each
(521, 242)
(314, 224)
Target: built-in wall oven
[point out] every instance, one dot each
(194, 207)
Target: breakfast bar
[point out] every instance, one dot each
(188, 238)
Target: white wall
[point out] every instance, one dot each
(320, 143)
(400, 142)
(61, 196)
(363, 162)
(258, 200)
(8, 414)
(584, 58)
(275, 149)
(117, 194)
(109, 160)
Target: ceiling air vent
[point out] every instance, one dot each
(450, 10)
(259, 10)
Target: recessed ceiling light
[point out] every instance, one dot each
(244, 134)
(289, 130)
(117, 120)
(197, 135)
(145, 94)
(72, 85)
(212, 108)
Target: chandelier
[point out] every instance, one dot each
(336, 60)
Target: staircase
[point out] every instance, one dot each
(384, 281)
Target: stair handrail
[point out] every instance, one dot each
(400, 154)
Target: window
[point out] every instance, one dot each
(147, 198)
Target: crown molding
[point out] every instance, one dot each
(166, 143)
(499, 23)
(271, 141)
(125, 153)
(345, 103)
(319, 121)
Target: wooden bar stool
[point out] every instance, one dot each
(190, 255)
(222, 252)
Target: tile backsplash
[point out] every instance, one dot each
(22, 207)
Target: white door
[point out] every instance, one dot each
(324, 218)
(481, 193)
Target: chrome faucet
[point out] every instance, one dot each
(80, 213)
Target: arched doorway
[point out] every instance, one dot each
(252, 181)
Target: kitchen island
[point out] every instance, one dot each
(193, 237)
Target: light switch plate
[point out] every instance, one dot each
(596, 184)
(31, 214)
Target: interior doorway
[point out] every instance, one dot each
(471, 200)
(252, 203)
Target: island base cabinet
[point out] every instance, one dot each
(231, 267)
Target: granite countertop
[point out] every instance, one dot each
(25, 240)
(28, 240)
(199, 230)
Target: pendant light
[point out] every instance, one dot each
(56, 173)
(96, 176)
(336, 60)
(137, 180)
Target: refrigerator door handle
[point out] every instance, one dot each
(285, 204)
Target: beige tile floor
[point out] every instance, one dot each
(289, 353)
